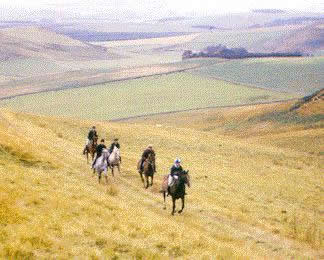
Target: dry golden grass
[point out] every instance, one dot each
(247, 200)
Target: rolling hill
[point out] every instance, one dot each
(36, 42)
(308, 39)
(249, 199)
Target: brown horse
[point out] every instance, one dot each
(177, 191)
(91, 148)
(148, 170)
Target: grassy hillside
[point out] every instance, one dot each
(251, 39)
(297, 75)
(247, 200)
(308, 39)
(26, 42)
(295, 125)
(156, 94)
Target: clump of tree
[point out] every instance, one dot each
(221, 51)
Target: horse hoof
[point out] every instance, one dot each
(180, 211)
(164, 208)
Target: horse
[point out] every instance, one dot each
(101, 165)
(148, 170)
(177, 190)
(114, 160)
(91, 148)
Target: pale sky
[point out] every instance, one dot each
(176, 6)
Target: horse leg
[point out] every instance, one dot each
(142, 179)
(147, 181)
(118, 165)
(182, 199)
(173, 205)
(152, 181)
(87, 157)
(99, 176)
(164, 195)
(112, 171)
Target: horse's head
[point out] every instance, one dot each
(185, 177)
(105, 152)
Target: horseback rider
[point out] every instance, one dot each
(115, 143)
(112, 146)
(91, 136)
(99, 149)
(176, 169)
(147, 152)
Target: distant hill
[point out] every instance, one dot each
(307, 40)
(25, 42)
(294, 21)
(268, 11)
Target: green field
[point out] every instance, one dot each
(295, 75)
(155, 94)
(30, 67)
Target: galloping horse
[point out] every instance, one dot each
(148, 170)
(91, 148)
(114, 160)
(177, 190)
(101, 165)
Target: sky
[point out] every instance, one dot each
(172, 7)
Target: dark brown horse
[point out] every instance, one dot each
(148, 170)
(91, 148)
(177, 190)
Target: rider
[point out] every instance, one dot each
(99, 149)
(91, 136)
(149, 150)
(115, 143)
(176, 169)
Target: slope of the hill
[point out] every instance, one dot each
(242, 202)
(308, 39)
(296, 125)
(36, 42)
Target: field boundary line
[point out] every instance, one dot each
(202, 108)
(107, 81)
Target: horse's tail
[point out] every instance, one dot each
(164, 186)
(139, 164)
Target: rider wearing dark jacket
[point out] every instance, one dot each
(99, 149)
(92, 133)
(115, 143)
(176, 170)
(149, 150)
(91, 136)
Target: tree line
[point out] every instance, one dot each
(221, 51)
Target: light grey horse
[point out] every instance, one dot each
(114, 160)
(101, 165)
